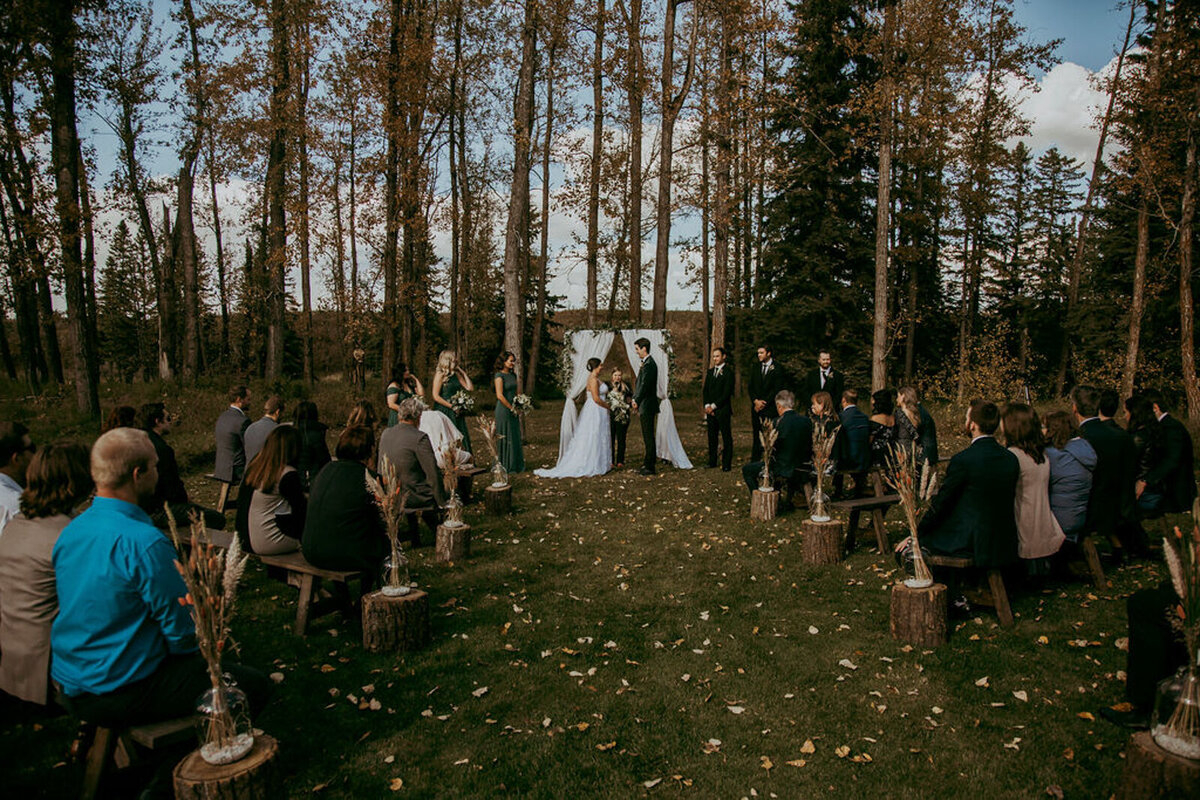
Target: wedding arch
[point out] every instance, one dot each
(582, 345)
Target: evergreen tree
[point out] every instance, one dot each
(127, 331)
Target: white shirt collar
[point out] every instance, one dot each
(1160, 416)
(982, 436)
(1089, 419)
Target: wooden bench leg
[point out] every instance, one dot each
(880, 531)
(223, 497)
(1000, 597)
(98, 755)
(308, 586)
(852, 531)
(1093, 561)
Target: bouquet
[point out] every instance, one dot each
(390, 499)
(619, 408)
(211, 577)
(462, 403)
(768, 435)
(915, 480)
(522, 404)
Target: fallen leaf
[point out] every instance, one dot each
(481, 691)
(389, 759)
(397, 784)
(462, 761)
(319, 787)
(327, 668)
(1055, 791)
(808, 748)
(650, 784)
(276, 676)
(608, 746)
(797, 762)
(765, 763)
(1069, 754)
(813, 630)
(847, 663)
(582, 726)
(712, 746)
(1043, 640)
(842, 751)
(982, 682)
(1087, 715)
(736, 709)
(1021, 695)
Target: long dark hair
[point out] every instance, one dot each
(58, 480)
(1023, 431)
(280, 451)
(1141, 413)
(500, 361)
(398, 376)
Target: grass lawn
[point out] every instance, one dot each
(626, 636)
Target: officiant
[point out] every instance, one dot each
(618, 413)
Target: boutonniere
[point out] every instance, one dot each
(770, 367)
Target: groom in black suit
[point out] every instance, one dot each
(645, 401)
(718, 409)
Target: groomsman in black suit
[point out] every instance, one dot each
(1111, 502)
(853, 445)
(766, 380)
(645, 402)
(823, 379)
(972, 513)
(718, 409)
(1175, 473)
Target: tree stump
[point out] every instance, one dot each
(919, 615)
(764, 505)
(498, 499)
(1151, 772)
(256, 775)
(453, 544)
(395, 624)
(822, 542)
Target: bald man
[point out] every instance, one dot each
(123, 644)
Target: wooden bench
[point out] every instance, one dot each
(223, 495)
(877, 507)
(466, 483)
(996, 595)
(117, 745)
(309, 579)
(1092, 557)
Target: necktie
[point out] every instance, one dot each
(824, 377)
(764, 370)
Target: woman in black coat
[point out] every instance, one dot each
(344, 529)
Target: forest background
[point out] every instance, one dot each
(833, 173)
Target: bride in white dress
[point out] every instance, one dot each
(590, 450)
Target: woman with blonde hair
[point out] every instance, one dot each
(908, 421)
(57, 483)
(448, 380)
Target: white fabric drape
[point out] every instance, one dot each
(666, 437)
(585, 345)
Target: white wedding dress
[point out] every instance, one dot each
(590, 450)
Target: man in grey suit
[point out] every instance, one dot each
(411, 453)
(645, 402)
(230, 433)
(256, 434)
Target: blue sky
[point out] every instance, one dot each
(1091, 30)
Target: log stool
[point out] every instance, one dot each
(395, 624)
(256, 775)
(453, 544)
(821, 542)
(498, 499)
(919, 615)
(764, 505)
(1151, 772)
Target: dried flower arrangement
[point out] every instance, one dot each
(824, 438)
(768, 436)
(391, 499)
(1179, 732)
(915, 480)
(450, 483)
(487, 429)
(212, 577)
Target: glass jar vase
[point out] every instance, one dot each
(1175, 724)
(454, 509)
(396, 582)
(223, 723)
(499, 474)
(817, 505)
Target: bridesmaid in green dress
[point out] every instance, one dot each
(448, 380)
(508, 425)
(402, 386)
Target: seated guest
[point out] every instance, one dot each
(914, 426)
(1143, 427)
(271, 505)
(314, 452)
(1155, 652)
(1072, 461)
(972, 514)
(344, 529)
(1111, 505)
(257, 432)
(1174, 475)
(882, 426)
(409, 451)
(58, 483)
(362, 416)
(157, 422)
(16, 451)
(230, 434)
(793, 447)
(1039, 535)
(853, 445)
(119, 417)
(123, 645)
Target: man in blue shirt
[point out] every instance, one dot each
(123, 644)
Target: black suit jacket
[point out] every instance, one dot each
(170, 486)
(1175, 473)
(1112, 500)
(854, 441)
(765, 387)
(812, 384)
(793, 448)
(645, 389)
(972, 513)
(718, 391)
